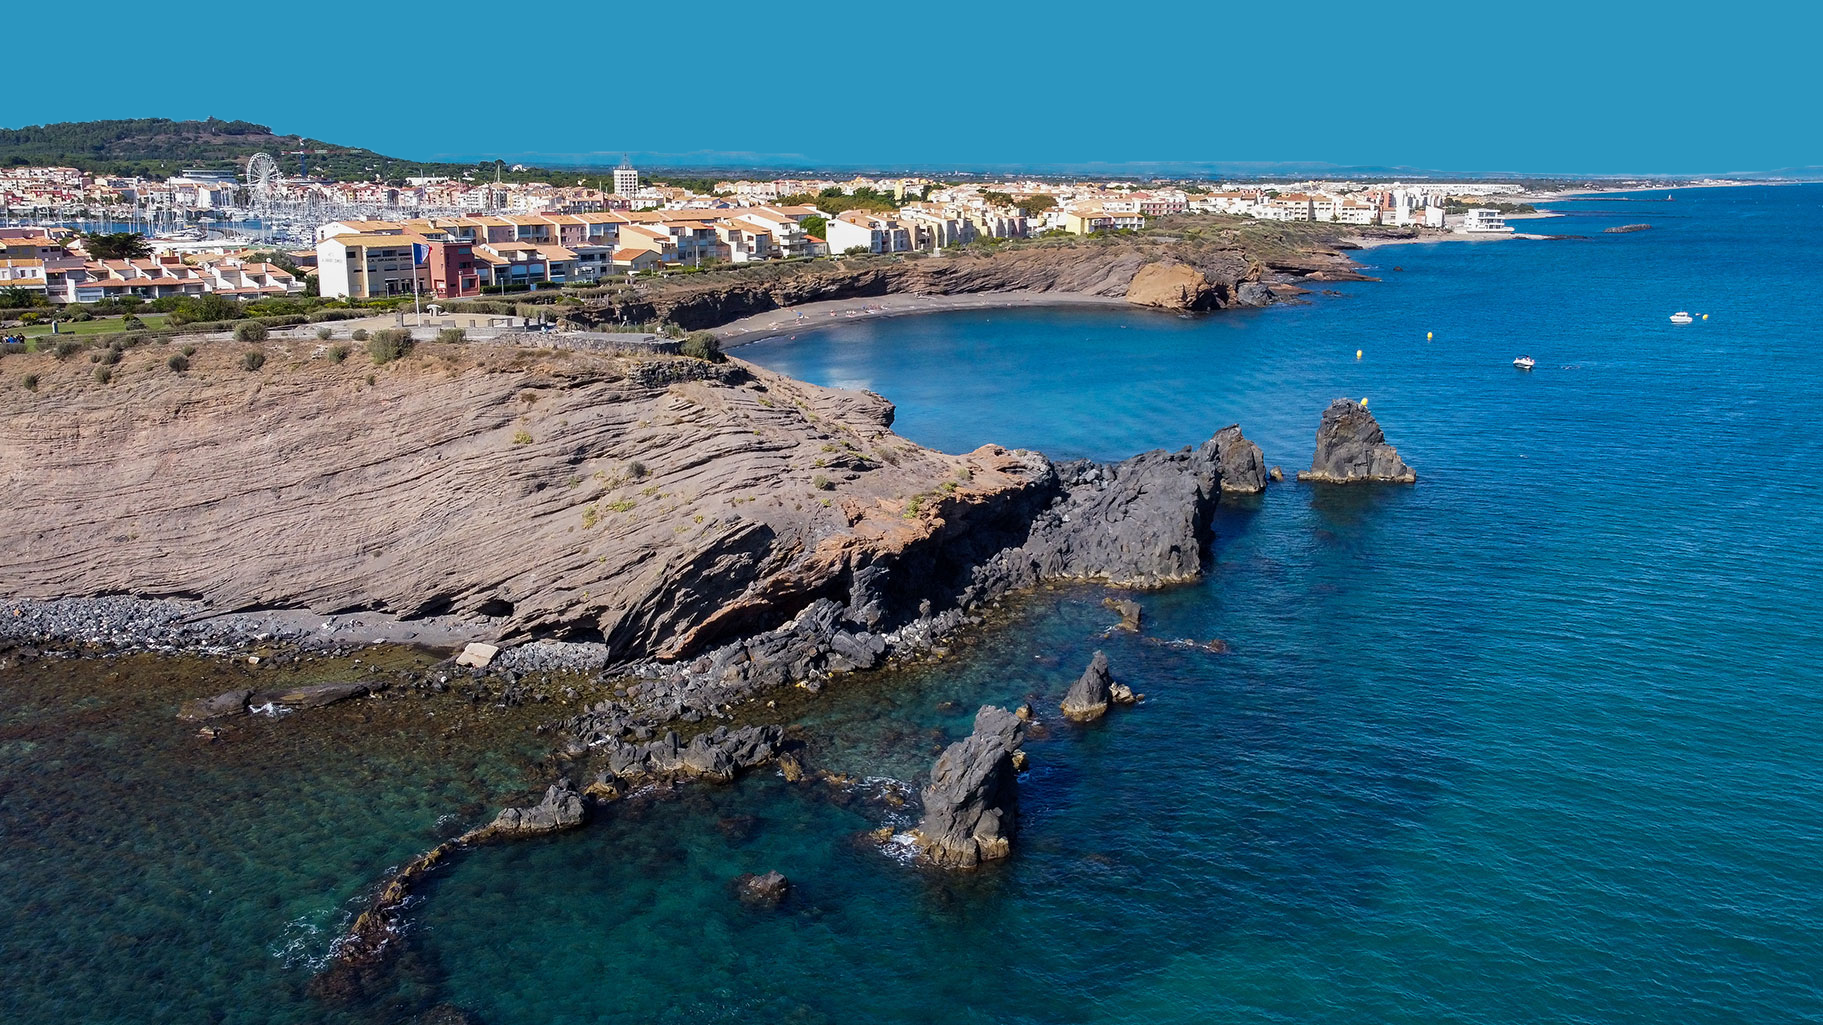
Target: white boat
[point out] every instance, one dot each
(1680, 317)
(1525, 363)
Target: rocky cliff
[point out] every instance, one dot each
(663, 506)
(657, 504)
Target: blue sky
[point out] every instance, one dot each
(1593, 88)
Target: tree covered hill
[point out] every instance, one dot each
(157, 147)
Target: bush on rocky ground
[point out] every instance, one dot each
(390, 344)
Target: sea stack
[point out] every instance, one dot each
(1089, 696)
(972, 802)
(1240, 462)
(1351, 448)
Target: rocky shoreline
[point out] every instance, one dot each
(688, 538)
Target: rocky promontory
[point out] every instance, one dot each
(1352, 448)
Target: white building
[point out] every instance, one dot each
(626, 179)
(868, 233)
(1485, 221)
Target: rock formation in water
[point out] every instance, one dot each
(239, 702)
(1131, 614)
(1241, 465)
(971, 806)
(765, 890)
(220, 706)
(1143, 522)
(561, 809)
(1351, 448)
(718, 754)
(1089, 696)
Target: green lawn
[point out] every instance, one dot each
(98, 326)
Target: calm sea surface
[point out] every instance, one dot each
(1539, 739)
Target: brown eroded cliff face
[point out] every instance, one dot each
(1185, 271)
(661, 503)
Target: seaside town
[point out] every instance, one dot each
(257, 233)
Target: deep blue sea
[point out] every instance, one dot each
(1538, 739)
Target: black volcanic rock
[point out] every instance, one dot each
(717, 755)
(1351, 447)
(1239, 462)
(1141, 522)
(972, 802)
(1089, 695)
(561, 809)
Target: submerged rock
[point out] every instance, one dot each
(1351, 447)
(972, 803)
(1130, 612)
(314, 695)
(1241, 463)
(768, 889)
(1089, 695)
(220, 706)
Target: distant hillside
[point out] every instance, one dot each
(158, 146)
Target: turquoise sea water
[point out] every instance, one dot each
(1537, 739)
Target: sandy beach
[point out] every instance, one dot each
(809, 316)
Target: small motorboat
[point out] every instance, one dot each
(1525, 363)
(1680, 317)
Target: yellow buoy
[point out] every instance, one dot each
(1357, 353)
(1705, 316)
(1363, 402)
(1427, 336)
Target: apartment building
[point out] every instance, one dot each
(365, 266)
(1087, 220)
(23, 273)
(1485, 221)
(869, 233)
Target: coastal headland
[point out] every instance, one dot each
(652, 503)
(694, 533)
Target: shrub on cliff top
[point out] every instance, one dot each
(29, 382)
(702, 345)
(388, 345)
(250, 331)
(178, 363)
(359, 334)
(338, 353)
(66, 349)
(252, 359)
(452, 335)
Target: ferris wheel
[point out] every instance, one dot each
(262, 173)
